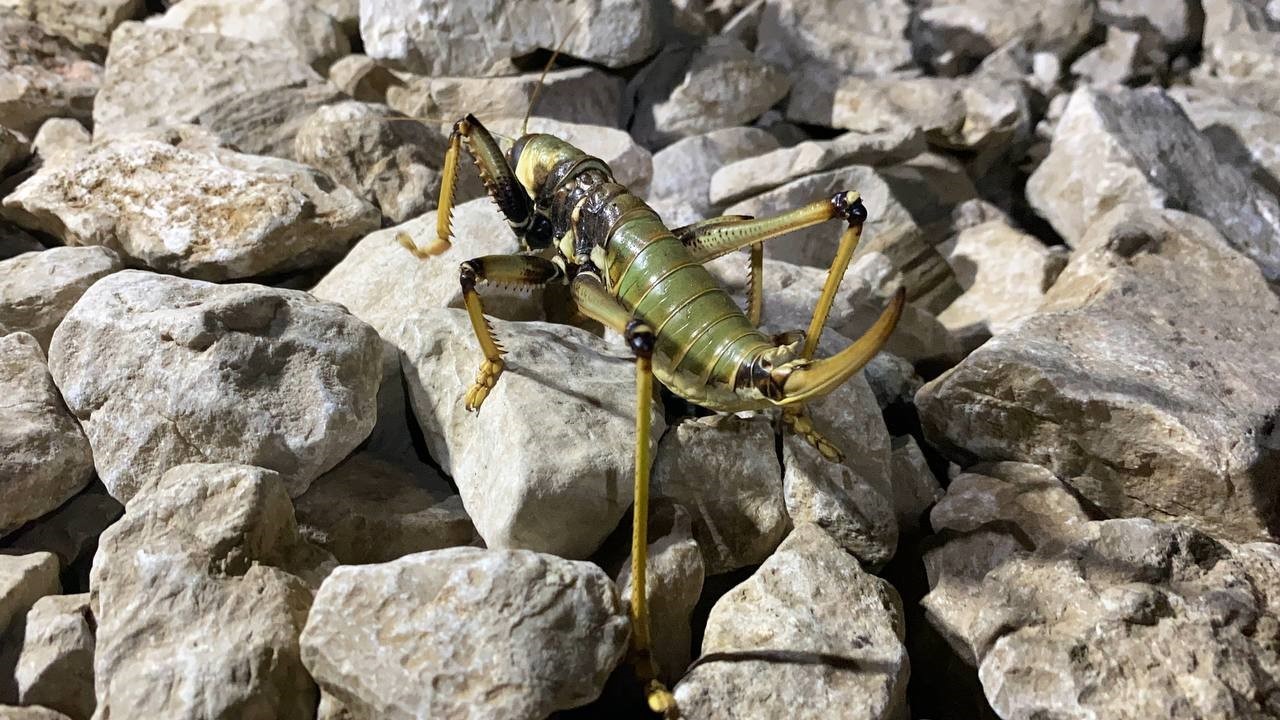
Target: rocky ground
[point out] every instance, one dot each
(237, 479)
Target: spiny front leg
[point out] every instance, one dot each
(521, 271)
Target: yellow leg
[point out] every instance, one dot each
(755, 285)
(844, 253)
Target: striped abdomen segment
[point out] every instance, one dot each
(700, 329)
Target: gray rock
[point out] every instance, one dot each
(367, 510)
(1005, 274)
(673, 583)
(682, 171)
(37, 289)
(725, 471)
(42, 76)
(86, 23)
(44, 456)
(14, 151)
(59, 141)
(1125, 58)
(1056, 611)
(722, 84)
(362, 78)
(71, 530)
(24, 579)
(267, 121)
(1178, 24)
(465, 633)
(389, 160)
(55, 668)
(814, 43)
(308, 30)
(915, 489)
(763, 171)
(809, 635)
(197, 606)
(579, 95)
(162, 371)
(893, 380)
(29, 712)
(1139, 147)
(531, 489)
(14, 241)
(423, 36)
(1108, 388)
(138, 89)
(1241, 135)
(1241, 39)
(851, 500)
(956, 34)
(209, 213)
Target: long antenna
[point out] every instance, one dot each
(537, 89)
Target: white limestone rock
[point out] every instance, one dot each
(59, 141)
(816, 42)
(24, 579)
(312, 33)
(682, 171)
(956, 34)
(465, 633)
(161, 371)
(55, 669)
(42, 76)
(209, 213)
(37, 289)
(87, 23)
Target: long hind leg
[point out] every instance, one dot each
(521, 271)
(594, 301)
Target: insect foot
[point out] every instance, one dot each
(486, 378)
(436, 247)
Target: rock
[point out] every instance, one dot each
(1081, 603)
(722, 85)
(1108, 388)
(893, 380)
(674, 575)
(1127, 140)
(813, 43)
(31, 712)
(72, 530)
(367, 510)
(362, 78)
(852, 500)
(529, 490)
(193, 588)
(308, 30)
(209, 213)
(162, 371)
(763, 171)
(683, 170)
(1241, 39)
(915, 489)
(1240, 135)
(42, 76)
(56, 666)
(465, 633)
(374, 279)
(267, 122)
(1004, 273)
(809, 635)
(44, 457)
(138, 91)
(60, 140)
(37, 289)
(725, 471)
(1126, 58)
(425, 37)
(955, 34)
(14, 242)
(24, 579)
(580, 95)
(86, 23)
(632, 165)
(14, 151)
(384, 157)
(1177, 24)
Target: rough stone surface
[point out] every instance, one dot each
(387, 159)
(14, 151)
(725, 471)
(24, 579)
(1124, 59)
(362, 78)
(56, 666)
(1188, 432)
(367, 510)
(1241, 135)
(313, 33)
(760, 172)
(915, 489)
(87, 23)
(809, 635)
(529, 489)
(682, 171)
(37, 289)
(44, 456)
(465, 633)
(42, 76)
(1241, 39)
(198, 610)
(956, 34)
(722, 85)
(29, 712)
(209, 213)
(138, 89)
(423, 36)
(812, 40)
(1178, 24)
(267, 121)
(1139, 147)
(579, 95)
(161, 371)
(1056, 611)
(14, 241)
(59, 141)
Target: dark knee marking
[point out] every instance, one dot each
(640, 338)
(848, 205)
(469, 272)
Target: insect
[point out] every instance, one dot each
(625, 269)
